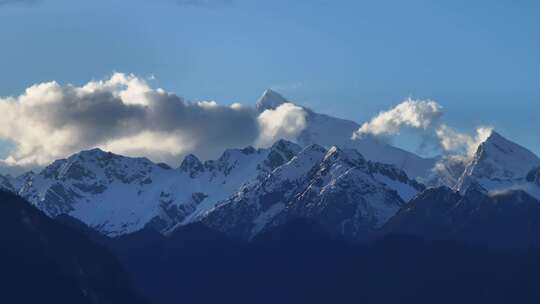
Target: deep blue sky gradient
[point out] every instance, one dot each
(479, 59)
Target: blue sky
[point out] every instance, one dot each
(479, 59)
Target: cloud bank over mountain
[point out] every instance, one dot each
(123, 114)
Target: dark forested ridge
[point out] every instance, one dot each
(508, 221)
(42, 261)
(298, 262)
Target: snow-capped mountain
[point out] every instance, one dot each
(330, 131)
(248, 190)
(337, 188)
(116, 194)
(498, 164)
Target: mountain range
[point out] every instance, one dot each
(320, 219)
(353, 188)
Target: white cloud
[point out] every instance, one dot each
(285, 122)
(160, 146)
(425, 115)
(124, 114)
(410, 113)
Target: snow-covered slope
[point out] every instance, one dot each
(498, 164)
(337, 188)
(330, 131)
(116, 194)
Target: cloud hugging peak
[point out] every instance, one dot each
(123, 114)
(425, 115)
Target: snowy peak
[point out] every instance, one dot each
(231, 158)
(269, 100)
(496, 138)
(350, 156)
(281, 152)
(299, 165)
(513, 160)
(84, 177)
(286, 147)
(497, 163)
(191, 165)
(262, 160)
(98, 164)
